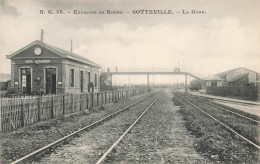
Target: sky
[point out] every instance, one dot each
(226, 36)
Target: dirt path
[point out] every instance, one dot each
(160, 137)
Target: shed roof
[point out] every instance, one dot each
(213, 77)
(225, 72)
(59, 51)
(238, 77)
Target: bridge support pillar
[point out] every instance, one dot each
(186, 88)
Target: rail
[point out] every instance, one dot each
(226, 126)
(30, 157)
(123, 135)
(227, 110)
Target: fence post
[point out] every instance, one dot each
(52, 108)
(108, 97)
(63, 105)
(102, 98)
(105, 97)
(86, 101)
(22, 114)
(92, 104)
(114, 96)
(97, 99)
(80, 104)
(72, 103)
(1, 116)
(39, 110)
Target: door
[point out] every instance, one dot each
(50, 80)
(81, 81)
(26, 80)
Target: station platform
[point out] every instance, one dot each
(225, 98)
(246, 106)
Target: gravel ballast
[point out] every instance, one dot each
(159, 137)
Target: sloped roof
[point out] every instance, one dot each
(225, 72)
(238, 77)
(59, 51)
(213, 77)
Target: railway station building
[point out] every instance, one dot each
(45, 69)
(239, 77)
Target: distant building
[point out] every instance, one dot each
(105, 81)
(239, 77)
(205, 82)
(43, 68)
(5, 81)
(234, 77)
(212, 81)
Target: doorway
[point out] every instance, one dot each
(50, 80)
(26, 80)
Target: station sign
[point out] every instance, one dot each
(37, 61)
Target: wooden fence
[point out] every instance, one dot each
(20, 112)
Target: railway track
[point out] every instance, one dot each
(225, 109)
(50, 147)
(124, 134)
(201, 107)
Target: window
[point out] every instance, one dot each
(72, 77)
(219, 83)
(95, 80)
(213, 83)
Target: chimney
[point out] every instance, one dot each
(71, 46)
(42, 32)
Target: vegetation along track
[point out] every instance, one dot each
(241, 141)
(50, 147)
